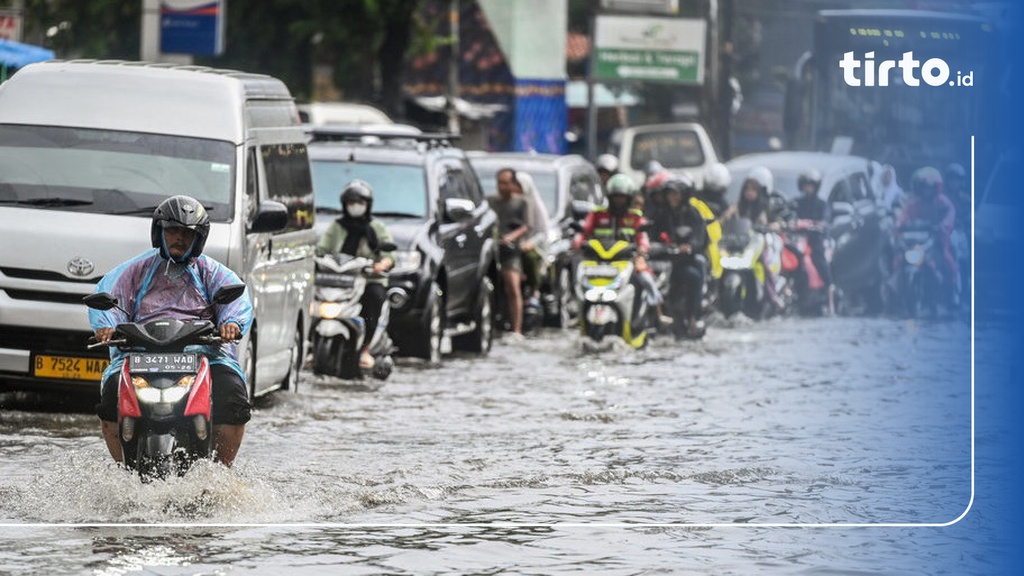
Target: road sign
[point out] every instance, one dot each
(649, 48)
(192, 27)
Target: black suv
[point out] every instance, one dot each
(426, 192)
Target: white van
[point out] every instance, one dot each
(679, 147)
(89, 148)
(343, 113)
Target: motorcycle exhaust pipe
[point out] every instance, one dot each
(200, 423)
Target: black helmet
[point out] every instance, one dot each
(357, 191)
(681, 182)
(809, 176)
(180, 212)
(954, 171)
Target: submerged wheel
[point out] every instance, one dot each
(730, 297)
(563, 300)
(479, 341)
(427, 343)
(297, 350)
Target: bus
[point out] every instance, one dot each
(854, 94)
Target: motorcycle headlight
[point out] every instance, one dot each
(172, 395)
(147, 395)
(914, 256)
(329, 310)
(407, 261)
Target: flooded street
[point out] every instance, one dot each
(548, 460)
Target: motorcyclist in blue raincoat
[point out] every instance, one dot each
(176, 280)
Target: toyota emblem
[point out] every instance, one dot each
(81, 267)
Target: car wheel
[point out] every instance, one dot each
(427, 343)
(291, 382)
(479, 341)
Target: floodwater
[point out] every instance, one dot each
(695, 457)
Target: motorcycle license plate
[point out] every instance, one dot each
(68, 367)
(601, 270)
(162, 362)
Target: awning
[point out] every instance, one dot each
(464, 108)
(18, 55)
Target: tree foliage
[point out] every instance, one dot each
(362, 43)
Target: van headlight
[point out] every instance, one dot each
(407, 261)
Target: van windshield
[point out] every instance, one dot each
(673, 149)
(110, 172)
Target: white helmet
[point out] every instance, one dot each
(717, 177)
(763, 177)
(608, 163)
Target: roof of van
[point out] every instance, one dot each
(144, 97)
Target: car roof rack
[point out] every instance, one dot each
(367, 136)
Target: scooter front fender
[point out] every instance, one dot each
(332, 328)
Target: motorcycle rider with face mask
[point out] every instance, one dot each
(358, 233)
(176, 280)
(809, 207)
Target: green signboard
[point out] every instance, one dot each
(651, 49)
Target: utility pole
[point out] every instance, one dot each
(453, 67)
(591, 108)
(149, 37)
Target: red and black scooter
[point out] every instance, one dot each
(163, 399)
(804, 285)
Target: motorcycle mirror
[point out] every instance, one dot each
(101, 301)
(580, 208)
(228, 293)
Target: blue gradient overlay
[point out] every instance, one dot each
(994, 526)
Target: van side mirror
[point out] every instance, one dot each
(458, 209)
(270, 217)
(228, 293)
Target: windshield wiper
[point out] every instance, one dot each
(147, 210)
(49, 202)
(397, 214)
(328, 210)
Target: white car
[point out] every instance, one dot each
(679, 147)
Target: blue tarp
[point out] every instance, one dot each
(17, 55)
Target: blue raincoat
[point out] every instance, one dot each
(150, 287)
